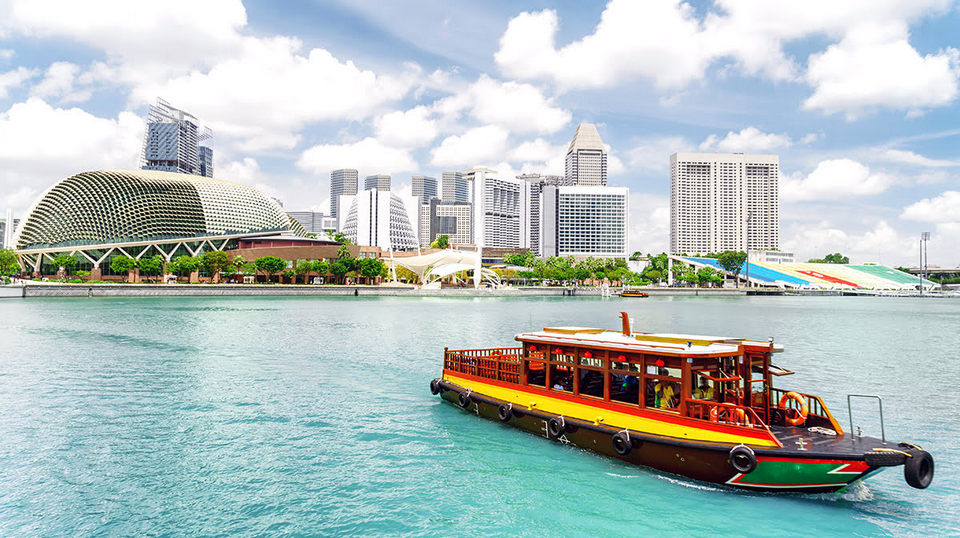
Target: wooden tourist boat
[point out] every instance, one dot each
(697, 406)
(633, 293)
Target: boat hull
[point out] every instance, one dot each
(775, 470)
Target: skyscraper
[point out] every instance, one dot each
(537, 183)
(500, 209)
(424, 188)
(455, 188)
(380, 218)
(8, 226)
(342, 182)
(381, 182)
(586, 162)
(584, 221)
(724, 201)
(171, 142)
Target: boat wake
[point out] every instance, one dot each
(688, 484)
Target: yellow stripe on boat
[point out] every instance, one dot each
(606, 417)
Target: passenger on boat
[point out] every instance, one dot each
(705, 392)
(666, 392)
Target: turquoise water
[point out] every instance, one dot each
(313, 416)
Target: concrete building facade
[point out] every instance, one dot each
(424, 188)
(584, 221)
(455, 188)
(536, 184)
(380, 182)
(380, 218)
(314, 222)
(724, 201)
(172, 142)
(343, 182)
(586, 161)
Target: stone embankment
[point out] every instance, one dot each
(234, 290)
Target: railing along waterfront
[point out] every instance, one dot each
(500, 364)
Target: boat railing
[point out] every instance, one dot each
(727, 413)
(815, 406)
(499, 364)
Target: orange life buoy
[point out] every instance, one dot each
(714, 414)
(803, 412)
(739, 416)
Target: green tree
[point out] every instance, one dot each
(8, 262)
(321, 267)
(732, 262)
(270, 265)
(152, 265)
(836, 257)
(339, 269)
(339, 237)
(302, 267)
(66, 261)
(709, 275)
(371, 268)
(343, 252)
(636, 255)
(184, 265)
(238, 263)
(214, 262)
(527, 259)
(442, 241)
(122, 264)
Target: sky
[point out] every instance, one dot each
(858, 98)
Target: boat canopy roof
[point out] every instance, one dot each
(686, 345)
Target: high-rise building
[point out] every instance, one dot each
(584, 221)
(537, 183)
(205, 158)
(424, 188)
(455, 188)
(500, 209)
(381, 182)
(586, 162)
(312, 221)
(724, 201)
(8, 226)
(172, 140)
(380, 218)
(455, 220)
(343, 182)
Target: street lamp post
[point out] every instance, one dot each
(924, 237)
(747, 245)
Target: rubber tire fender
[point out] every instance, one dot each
(556, 426)
(622, 444)
(464, 400)
(742, 459)
(504, 413)
(435, 387)
(918, 470)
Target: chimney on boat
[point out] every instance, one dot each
(626, 323)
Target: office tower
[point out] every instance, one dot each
(424, 188)
(205, 158)
(500, 209)
(381, 182)
(343, 182)
(171, 142)
(455, 188)
(373, 217)
(586, 162)
(312, 221)
(584, 221)
(537, 183)
(455, 220)
(724, 201)
(8, 228)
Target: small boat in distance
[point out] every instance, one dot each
(702, 407)
(633, 293)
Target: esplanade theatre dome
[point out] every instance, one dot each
(116, 208)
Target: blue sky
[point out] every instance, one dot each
(859, 99)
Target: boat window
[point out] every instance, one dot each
(628, 362)
(624, 387)
(536, 373)
(591, 383)
(661, 382)
(592, 358)
(560, 354)
(561, 377)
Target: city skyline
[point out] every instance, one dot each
(860, 103)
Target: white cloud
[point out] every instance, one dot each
(654, 153)
(656, 40)
(833, 179)
(748, 140)
(40, 145)
(944, 208)
(14, 79)
(875, 66)
(538, 150)
(910, 157)
(6, 54)
(248, 172)
(649, 223)
(269, 91)
(880, 243)
(480, 144)
(58, 83)
(521, 108)
(406, 129)
(368, 155)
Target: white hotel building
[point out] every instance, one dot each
(584, 221)
(724, 201)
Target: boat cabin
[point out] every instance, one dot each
(716, 379)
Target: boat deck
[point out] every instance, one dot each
(827, 445)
